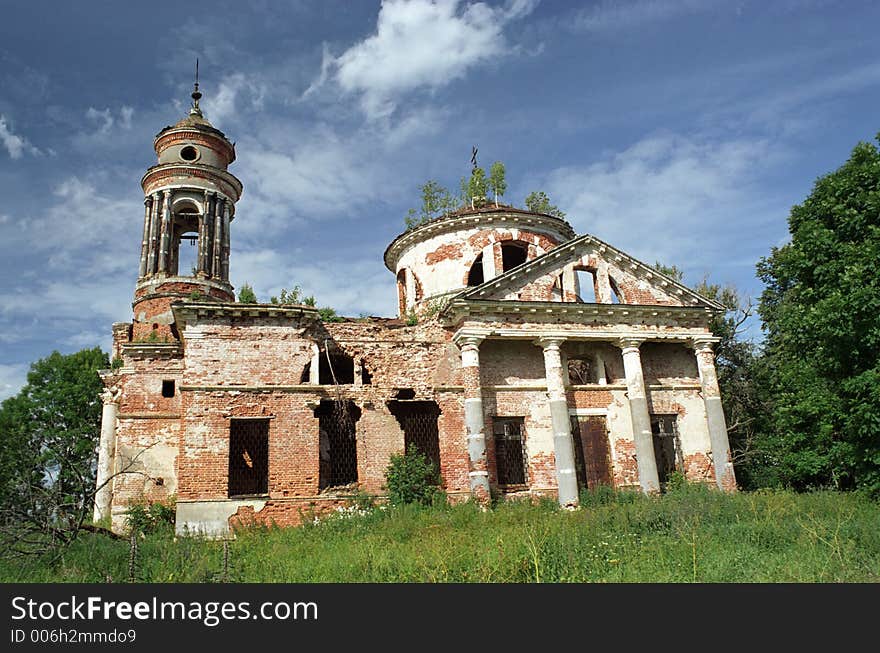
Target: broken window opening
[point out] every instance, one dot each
(586, 278)
(512, 255)
(667, 446)
(511, 459)
(615, 292)
(335, 368)
(306, 375)
(592, 452)
(168, 388)
(581, 371)
(401, 291)
(248, 457)
(476, 276)
(337, 442)
(418, 420)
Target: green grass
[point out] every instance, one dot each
(690, 534)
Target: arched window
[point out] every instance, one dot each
(475, 276)
(184, 252)
(401, 291)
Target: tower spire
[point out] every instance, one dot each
(196, 95)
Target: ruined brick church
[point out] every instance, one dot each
(541, 362)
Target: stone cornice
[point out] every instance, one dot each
(573, 313)
(534, 333)
(190, 311)
(194, 170)
(484, 219)
(148, 349)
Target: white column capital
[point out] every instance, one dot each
(549, 342)
(629, 344)
(470, 342)
(703, 344)
(110, 395)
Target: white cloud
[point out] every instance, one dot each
(420, 44)
(681, 200)
(221, 106)
(12, 378)
(351, 287)
(611, 15)
(15, 145)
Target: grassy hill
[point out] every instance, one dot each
(690, 534)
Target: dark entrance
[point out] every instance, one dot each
(592, 452)
(337, 442)
(667, 446)
(248, 457)
(418, 419)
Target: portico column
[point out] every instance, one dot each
(563, 444)
(724, 475)
(166, 231)
(106, 454)
(478, 469)
(641, 419)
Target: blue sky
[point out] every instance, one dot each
(681, 131)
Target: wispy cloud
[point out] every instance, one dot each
(419, 44)
(612, 15)
(679, 199)
(12, 378)
(15, 145)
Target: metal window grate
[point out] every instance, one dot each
(418, 420)
(511, 459)
(248, 457)
(338, 442)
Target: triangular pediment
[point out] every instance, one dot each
(617, 278)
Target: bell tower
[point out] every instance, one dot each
(189, 200)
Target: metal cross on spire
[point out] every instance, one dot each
(474, 157)
(196, 95)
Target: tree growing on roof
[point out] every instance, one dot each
(497, 183)
(538, 202)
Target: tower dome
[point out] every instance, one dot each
(189, 200)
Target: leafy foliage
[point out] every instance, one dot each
(538, 202)
(497, 182)
(246, 294)
(821, 313)
(48, 436)
(411, 478)
(436, 200)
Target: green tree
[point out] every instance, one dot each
(538, 202)
(246, 294)
(741, 378)
(821, 315)
(48, 437)
(497, 182)
(436, 201)
(477, 187)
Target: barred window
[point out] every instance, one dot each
(337, 442)
(511, 459)
(418, 420)
(248, 457)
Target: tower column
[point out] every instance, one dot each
(165, 238)
(145, 241)
(478, 468)
(563, 445)
(224, 263)
(153, 253)
(724, 475)
(641, 418)
(218, 237)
